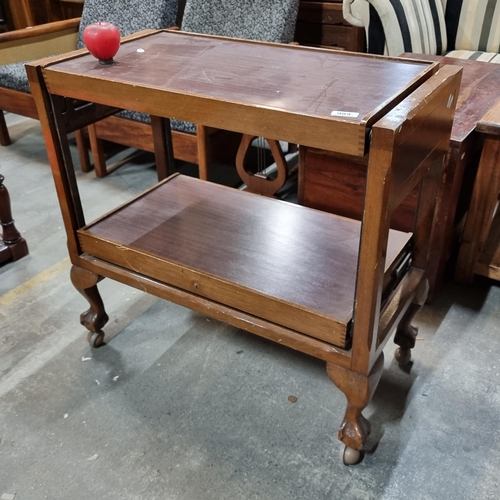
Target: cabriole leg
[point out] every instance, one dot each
(406, 333)
(95, 317)
(358, 390)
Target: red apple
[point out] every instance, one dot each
(102, 39)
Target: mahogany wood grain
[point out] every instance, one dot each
(292, 266)
(301, 277)
(490, 122)
(38, 12)
(85, 282)
(22, 13)
(41, 29)
(397, 304)
(22, 103)
(336, 183)
(221, 145)
(479, 248)
(258, 182)
(477, 92)
(401, 127)
(12, 245)
(208, 84)
(355, 428)
(489, 261)
(320, 175)
(71, 208)
(18, 102)
(253, 324)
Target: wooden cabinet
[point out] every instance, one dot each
(321, 23)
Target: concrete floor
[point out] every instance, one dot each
(180, 407)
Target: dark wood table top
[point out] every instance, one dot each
(268, 257)
(490, 122)
(478, 92)
(287, 92)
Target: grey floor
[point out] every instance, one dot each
(180, 407)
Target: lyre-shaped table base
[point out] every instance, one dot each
(258, 182)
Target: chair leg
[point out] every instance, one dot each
(97, 148)
(4, 132)
(12, 244)
(83, 146)
(202, 140)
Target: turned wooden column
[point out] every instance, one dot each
(12, 245)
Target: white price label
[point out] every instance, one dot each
(345, 114)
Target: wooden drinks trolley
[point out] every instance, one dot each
(328, 286)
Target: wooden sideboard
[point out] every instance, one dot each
(335, 183)
(322, 24)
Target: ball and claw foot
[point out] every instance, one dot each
(402, 355)
(95, 339)
(349, 456)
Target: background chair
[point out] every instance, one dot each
(456, 28)
(20, 46)
(264, 20)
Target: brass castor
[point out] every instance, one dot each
(402, 355)
(95, 339)
(349, 456)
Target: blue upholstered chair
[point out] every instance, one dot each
(264, 20)
(128, 15)
(466, 29)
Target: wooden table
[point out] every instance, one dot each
(480, 245)
(336, 183)
(328, 286)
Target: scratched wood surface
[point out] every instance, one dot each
(478, 92)
(288, 264)
(279, 91)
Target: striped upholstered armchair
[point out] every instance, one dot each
(467, 29)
